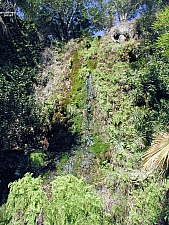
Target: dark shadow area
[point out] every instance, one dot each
(60, 138)
(13, 165)
(132, 57)
(116, 37)
(20, 47)
(56, 141)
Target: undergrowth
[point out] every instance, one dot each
(66, 200)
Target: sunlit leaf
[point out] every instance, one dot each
(157, 156)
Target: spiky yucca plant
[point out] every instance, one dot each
(157, 156)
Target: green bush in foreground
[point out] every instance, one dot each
(66, 200)
(75, 203)
(25, 201)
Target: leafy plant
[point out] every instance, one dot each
(157, 156)
(66, 200)
(25, 201)
(161, 26)
(74, 202)
(146, 204)
(37, 158)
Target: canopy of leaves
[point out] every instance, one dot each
(124, 10)
(30, 8)
(20, 51)
(63, 20)
(161, 26)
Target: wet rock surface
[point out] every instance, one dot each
(80, 158)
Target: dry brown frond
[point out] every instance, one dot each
(157, 156)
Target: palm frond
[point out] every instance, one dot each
(157, 156)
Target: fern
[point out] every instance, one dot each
(25, 201)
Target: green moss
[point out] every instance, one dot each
(91, 64)
(62, 161)
(76, 65)
(99, 147)
(76, 95)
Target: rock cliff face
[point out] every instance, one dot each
(124, 31)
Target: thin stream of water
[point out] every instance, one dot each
(85, 160)
(88, 112)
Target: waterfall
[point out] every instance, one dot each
(88, 113)
(82, 157)
(86, 159)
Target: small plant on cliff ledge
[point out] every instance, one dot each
(37, 158)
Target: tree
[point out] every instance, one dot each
(63, 19)
(157, 156)
(30, 8)
(120, 9)
(123, 10)
(18, 66)
(161, 26)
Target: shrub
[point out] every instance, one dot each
(25, 201)
(73, 202)
(130, 197)
(66, 200)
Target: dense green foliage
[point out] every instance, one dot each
(90, 107)
(66, 200)
(63, 20)
(25, 194)
(161, 26)
(18, 112)
(129, 198)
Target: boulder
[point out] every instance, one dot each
(124, 31)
